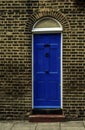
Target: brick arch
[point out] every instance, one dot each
(53, 14)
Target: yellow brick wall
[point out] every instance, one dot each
(16, 20)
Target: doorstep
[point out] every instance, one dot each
(46, 116)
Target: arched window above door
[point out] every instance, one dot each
(47, 24)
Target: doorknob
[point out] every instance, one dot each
(47, 45)
(46, 71)
(47, 54)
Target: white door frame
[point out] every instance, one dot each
(44, 31)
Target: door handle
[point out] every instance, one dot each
(47, 45)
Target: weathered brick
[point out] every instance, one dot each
(16, 21)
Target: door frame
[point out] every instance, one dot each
(44, 31)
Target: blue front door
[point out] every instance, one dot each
(47, 71)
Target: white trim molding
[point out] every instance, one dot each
(47, 30)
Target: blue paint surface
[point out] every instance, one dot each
(47, 70)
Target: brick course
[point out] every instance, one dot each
(16, 21)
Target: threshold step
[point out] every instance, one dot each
(46, 118)
(47, 111)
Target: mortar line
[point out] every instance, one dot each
(13, 125)
(59, 125)
(36, 126)
(83, 124)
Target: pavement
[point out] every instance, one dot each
(26, 125)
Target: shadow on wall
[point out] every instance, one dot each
(80, 4)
